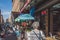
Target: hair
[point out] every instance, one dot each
(9, 28)
(35, 24)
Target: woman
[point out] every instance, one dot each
(35, 34)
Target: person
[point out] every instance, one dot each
(2, 35)
(18, 33)
(1, 28)
(24, 25)
(10, 34)
(35, 34)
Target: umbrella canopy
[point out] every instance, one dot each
(16, 19)
(24, 17)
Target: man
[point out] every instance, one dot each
(35, 34)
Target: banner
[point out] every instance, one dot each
(32, 10)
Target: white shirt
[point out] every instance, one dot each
(32, 36)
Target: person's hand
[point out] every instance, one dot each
(2, 33)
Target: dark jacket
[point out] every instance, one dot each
(10, 36)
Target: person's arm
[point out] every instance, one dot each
(42, 34)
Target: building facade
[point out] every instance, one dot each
(51, 18)
(10, 19)
(17, 5)
(1, 18)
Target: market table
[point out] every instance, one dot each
(58, 38)
(50, 38)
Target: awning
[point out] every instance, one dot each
(53, 2)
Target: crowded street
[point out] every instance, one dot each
(29, 19)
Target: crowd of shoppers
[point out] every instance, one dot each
(14, 33)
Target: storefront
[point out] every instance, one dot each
(55, 19)
(47, 19)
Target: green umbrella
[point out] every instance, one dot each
(18, 20)
(24, 17)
